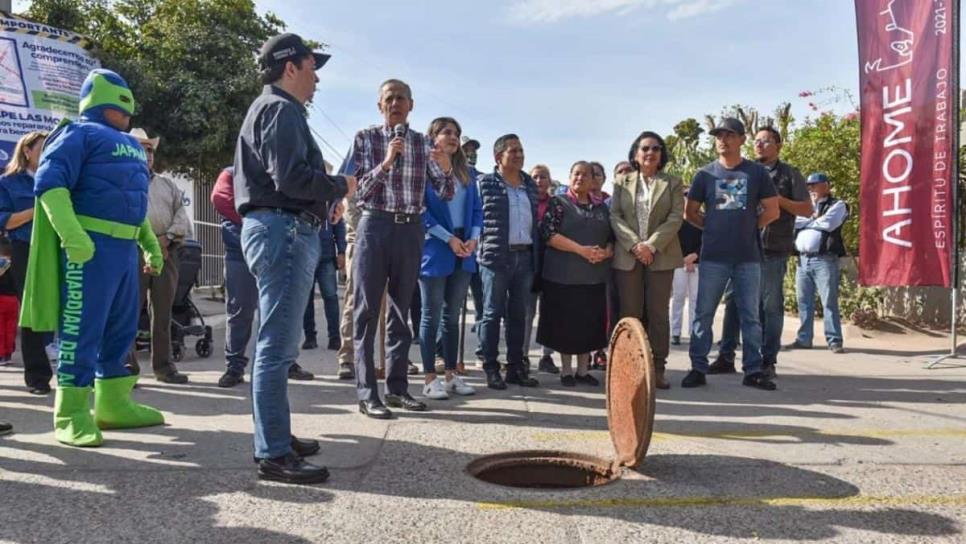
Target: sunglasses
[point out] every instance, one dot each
(763, 143)
(653, 148)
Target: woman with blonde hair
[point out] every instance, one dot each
(449, 261)
(16, 219)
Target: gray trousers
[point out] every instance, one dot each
(386, 259)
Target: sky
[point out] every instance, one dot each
(576, 79)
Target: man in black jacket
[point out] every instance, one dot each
(508, 250)
(282, 192)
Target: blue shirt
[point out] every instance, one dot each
(16, 195)
(457, 212)
(731, 198)
(521, 215)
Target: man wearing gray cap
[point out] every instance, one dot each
(739, 198)
(818, 240)
(283, 193)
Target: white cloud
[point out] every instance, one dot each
(549, 11)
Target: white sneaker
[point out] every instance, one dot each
(435, 390)
(458, 386)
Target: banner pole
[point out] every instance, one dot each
(954, 270)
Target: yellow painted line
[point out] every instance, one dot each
(686, 502)
(952, 432)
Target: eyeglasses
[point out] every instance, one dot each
(653, 148)
(763, 143)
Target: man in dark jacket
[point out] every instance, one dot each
(507, 260)
(282, 192)
(332, 240)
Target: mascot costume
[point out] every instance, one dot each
(90, 218)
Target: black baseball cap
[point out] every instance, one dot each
(729, 124)
(285, 47)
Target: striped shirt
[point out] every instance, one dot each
(401, 189)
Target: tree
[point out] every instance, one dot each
(190, 64)
(687, 153)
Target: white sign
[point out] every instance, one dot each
(41, 72)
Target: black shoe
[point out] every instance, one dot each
(722, 365)
(374, 409)
(39, 390)
(406, 402)
(546, 365)
(231, 378)
(412, 369)
(694, 379)
(304, 448)
(600, 360)
(296, 372)
(291, 469)
(494, 380)
(759, 381)
(568, 381)
(172, 377)
(836, 348)
(797, 345)
(347, 371)
(675, 340)
(5, 428)
(586, 379)
(520, 378)
(769, 371)
(310, 343)
(335, 343)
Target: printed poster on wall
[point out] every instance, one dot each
(41, 72)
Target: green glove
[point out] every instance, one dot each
(73, 238)
(152, 249)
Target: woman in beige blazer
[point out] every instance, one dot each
(646, 211)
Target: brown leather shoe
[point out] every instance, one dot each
(660, 381)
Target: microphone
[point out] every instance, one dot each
(400, 132)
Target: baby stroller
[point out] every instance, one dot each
(186, 319)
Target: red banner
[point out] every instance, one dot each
(908, 99)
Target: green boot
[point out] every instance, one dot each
(114, 409)
(73, 423)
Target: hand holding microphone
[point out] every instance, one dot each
(396, 147)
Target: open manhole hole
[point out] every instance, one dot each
(630, 419)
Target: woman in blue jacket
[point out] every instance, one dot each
(16, 218)
(449, 261)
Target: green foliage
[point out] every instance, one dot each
(830, 144)
(190, 63)
(687, 153)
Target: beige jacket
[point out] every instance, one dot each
(664, 220)
(166, 209)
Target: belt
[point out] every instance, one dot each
(113, 229)
(520, 247)
(299, 214)
(397, 218)
(813, 254)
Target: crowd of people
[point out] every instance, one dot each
(413, 224)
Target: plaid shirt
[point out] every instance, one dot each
(401, 189)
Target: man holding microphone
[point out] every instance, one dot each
(393, 163)
(282, 193)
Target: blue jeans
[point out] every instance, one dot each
(506, 293)
(712, 279)
(821, 273)
(771, 314)
(282, 252)
(325, 276)
(241, 300)
(442, 300)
